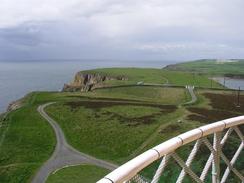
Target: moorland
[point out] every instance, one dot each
(114, 122)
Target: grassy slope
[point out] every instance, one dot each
(170, 174)
(159, 76)
(26, 139)
(211, 67)
(78, 174)
(121, 141)
(28, 142)
(149, 94)
(107, 132)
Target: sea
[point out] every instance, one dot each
(17, 78)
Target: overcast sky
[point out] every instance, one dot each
(121, 29)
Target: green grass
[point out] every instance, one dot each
(28, 142)
(134, 75)
(111, 136)
(114, 132)
(159, 76)
(133, 112)
(77, 174)
(26, 139)
(211, 67)
(149, 94)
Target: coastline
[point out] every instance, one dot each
(14, 105)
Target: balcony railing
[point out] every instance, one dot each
(212, 137)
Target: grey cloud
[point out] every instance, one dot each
(26, 34)
(152, 29)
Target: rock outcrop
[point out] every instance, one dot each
(15, 105)
(88, 81)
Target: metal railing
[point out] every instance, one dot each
(165, 152)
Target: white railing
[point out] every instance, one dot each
(130, 171)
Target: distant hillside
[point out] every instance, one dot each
(218, 67)
(90, 79)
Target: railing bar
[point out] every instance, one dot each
(138, 179)
(161, 168)
(186, 168)
(209, 161)
(231, 167)
(227, 134)
(225, 159)
(232, 162)
(189, 160)
(239, 133)
(206, 168)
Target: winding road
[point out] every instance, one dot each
(193, 96)
(64, 155)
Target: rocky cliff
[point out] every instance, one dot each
(89, 81)
(15, 105)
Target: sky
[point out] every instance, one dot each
(121, 29)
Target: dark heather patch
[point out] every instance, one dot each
(224, 106)
(102, 104)
(226, 102)
(103, 98)
(208, 116)
(170, 128)
(130, 121)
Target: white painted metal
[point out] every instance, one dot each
(161, 168)
(189, 160)
(216, 159)
(130, 169)
(210, 159)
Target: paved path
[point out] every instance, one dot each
(193, 96)
(64, 154)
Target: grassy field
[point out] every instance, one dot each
(113, 124)
(107, 129)
(119, 129)
(161, 95)
(79, 120)
(213, 106)
(27, 141)
(158, 76)
(235, 67)
(78, 174)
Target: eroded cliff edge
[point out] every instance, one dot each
(88, 81)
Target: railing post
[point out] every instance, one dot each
(216, 158)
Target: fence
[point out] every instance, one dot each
(213, 137)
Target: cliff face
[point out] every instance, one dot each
(87, 82)
(15, 105)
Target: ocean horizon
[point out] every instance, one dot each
(18, 78)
